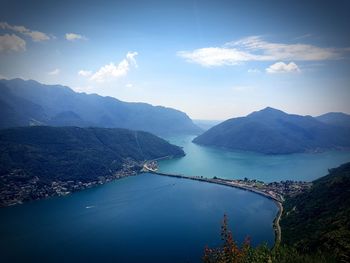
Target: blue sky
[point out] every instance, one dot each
(210, 59)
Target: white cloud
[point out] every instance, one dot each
(34, 35)
(84, 73)
(74, 37)
(281, 67)
(113, 70)
(279, 51)
(216, 56)
(254, 70)
(129, 85)
(55, 72)
(12, 43)
(254, 48)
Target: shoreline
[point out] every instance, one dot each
(276, 225)
(219, 181)
(145, 169)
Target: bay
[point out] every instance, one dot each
(145, 218)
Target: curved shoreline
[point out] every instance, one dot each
(277, 226)
(276, 222)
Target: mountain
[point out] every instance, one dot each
(206, 124)
(318, 220)
(335, 118)
(41, 161)
(76, 153)
(272, 131)
(25, 103)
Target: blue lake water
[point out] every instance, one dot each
(146, 218)
(151, 218)
(209, 162)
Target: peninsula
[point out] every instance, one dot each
(277, 191)
(39, 162)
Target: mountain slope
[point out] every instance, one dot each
(335, 118)
(76, 153)
(272, 131)
(29, 102)
(41, 161)
(319, 218)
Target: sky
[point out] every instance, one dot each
(211, 59)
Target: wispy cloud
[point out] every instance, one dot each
(3, 77)
(216, 56)
(254, 48)
(112, 70)
(85, 73)
(54, 72)
(281, 67)
(74, 37)
(11, 43)
(34, 35)
(254, 70)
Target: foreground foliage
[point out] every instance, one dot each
(319, 219)
(315, 227)
(231, 252)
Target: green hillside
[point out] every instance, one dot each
(37, 162)
(319, 220)
(76, 153)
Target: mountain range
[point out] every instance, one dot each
(336, 119)
(272, 131)
(28, 103)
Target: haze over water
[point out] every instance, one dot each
(209, 162)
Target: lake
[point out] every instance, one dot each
(209, 162)
(145, 218)
(152, 218)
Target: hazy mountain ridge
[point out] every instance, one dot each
(205, 124)
(29, 102)
(273, 131)
(335, 118)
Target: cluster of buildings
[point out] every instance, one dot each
(17, 187)
(276, 190)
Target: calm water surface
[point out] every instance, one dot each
(146, 218)
(150, 218)
(210, 162)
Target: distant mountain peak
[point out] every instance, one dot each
(268, 111)
(339, 119)
(273, 131)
